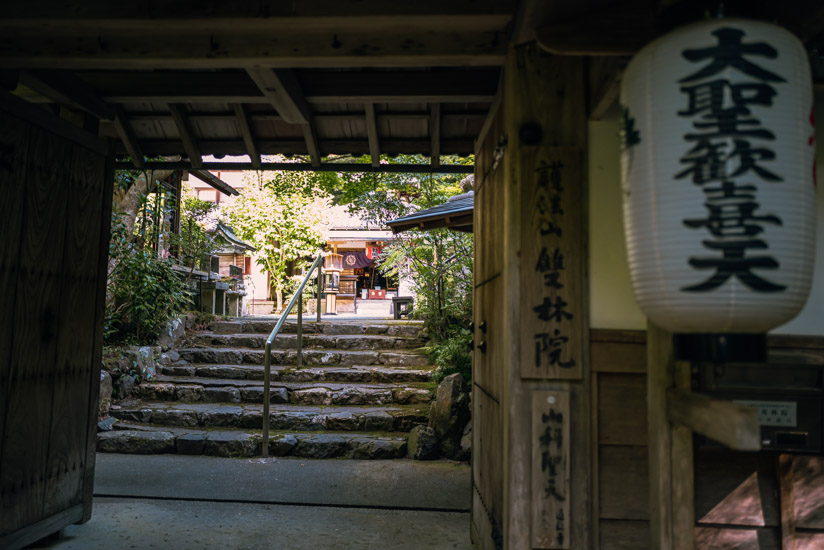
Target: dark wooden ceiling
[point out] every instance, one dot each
(191, 78)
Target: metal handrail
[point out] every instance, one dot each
(267, 361)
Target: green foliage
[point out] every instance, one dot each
(143, 291)
(452, 355)
(282, 215)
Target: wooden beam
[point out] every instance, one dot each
(471, 84)
(435, 134)
(108, 48)
(432, 85)
(128, 138)
(231, 116)
(311, 139)
(307, 167)
(372, 133)
(214, 181)
(298, 146)
(605, 75)
(63, 88)
(50, 122)
(242, 118)
(731, 424)
(284, 93)
(307, 16)
(621, 29)
(187, 136)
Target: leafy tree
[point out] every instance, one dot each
(282, 215)
(194, 242)
(438, 262)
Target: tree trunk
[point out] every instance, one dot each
(128, 202)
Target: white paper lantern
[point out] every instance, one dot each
(717, 174)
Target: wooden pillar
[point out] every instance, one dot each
(672, 497)
(533, 375)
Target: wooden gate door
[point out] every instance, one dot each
(488, 360)
(54, 213)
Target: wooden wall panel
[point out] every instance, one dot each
(629, 357)
(35, 324)
(624, 485)
(14, 141)
(623, 535)
(75, 347)
(622, 409)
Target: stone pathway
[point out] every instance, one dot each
(362, 387)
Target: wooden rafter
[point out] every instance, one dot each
(435, 134)
(187, 136)
(65, 89)
(282, 90)
(214, 181)
(605, 75)
(124, 130)
(372, 133)
(229, 116)
(243, 125)
(311, 139)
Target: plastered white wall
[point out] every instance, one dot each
(612, 304)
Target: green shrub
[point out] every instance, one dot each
(143, 291)
(452, 355)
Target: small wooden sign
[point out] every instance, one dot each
(552, 259)
(551, 487)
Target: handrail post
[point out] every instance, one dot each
(267, 362)
(300, 330)
(320, 283)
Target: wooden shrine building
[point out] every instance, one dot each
(642, 453)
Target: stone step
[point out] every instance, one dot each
(310, 341)
(279, 373)
(281, 417)
(141, 439)
(405, 329)
(240, 356)
(221, 390)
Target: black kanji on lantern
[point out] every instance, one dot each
(730, 52)
(722, 151)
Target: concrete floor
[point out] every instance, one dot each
(179, 502)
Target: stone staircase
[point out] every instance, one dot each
(362, 387)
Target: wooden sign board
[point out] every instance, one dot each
(552, 259)
(551, 486)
